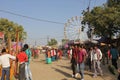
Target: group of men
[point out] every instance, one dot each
(79, 55)
(93, 55)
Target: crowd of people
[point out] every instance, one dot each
(53, 54)
(80, 56)
(21, 60)
(93, 57)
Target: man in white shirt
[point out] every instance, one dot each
(5, 62)
(96, 57)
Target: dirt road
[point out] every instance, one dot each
(60, 70)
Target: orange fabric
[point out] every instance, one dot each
(11, 72)
(0, 70)
(48, 53)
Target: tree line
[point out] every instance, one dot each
(105, 19)
(10, 29)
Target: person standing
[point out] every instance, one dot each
(5, 62)
(74, 59)
(22, 58)
(81, 61)
(90, 53)
(68, 53)
(53, 54)
(27, 67)
(114, 56)
(59, 53)
(96, 57)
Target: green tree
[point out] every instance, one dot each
(113, 3)
(105, 19)
(52, 42)
(10, 28)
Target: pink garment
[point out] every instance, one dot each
(109, 54)
(81, 55)
(52, 52)
(84, 51)
(68, 52)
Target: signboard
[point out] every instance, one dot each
(2, 35)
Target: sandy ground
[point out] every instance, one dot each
(61, 70)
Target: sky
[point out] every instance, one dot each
(58, 11)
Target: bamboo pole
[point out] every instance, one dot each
(17, 41)
(9, 43)
(9, 51)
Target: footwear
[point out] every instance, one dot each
(94, 76)
(73, 76)
(76, 74)
(101, 74)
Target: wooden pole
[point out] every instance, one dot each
(17, 41)
(9, 51)
(9, 43)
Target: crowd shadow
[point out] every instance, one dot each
(65, 74)
(64, 79)
(104, 77)
(66, 67)
(62, 72)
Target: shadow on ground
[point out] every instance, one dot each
(62, 72)
(66, 67)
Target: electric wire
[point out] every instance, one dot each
(32, 18)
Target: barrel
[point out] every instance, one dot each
(48, 60)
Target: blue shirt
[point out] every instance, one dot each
(114, 53)
(29, 54)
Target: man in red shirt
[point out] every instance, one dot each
(22, 58)
(81, 59)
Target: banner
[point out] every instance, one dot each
(2, 35)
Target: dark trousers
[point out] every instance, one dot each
(119, 77)
(22, 71)
(89, 63)
(73, 66)
(114, 63)
(5, 71)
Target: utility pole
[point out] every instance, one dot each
(89, 26)
(35, 43)
(47, 39)
(89, 6)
